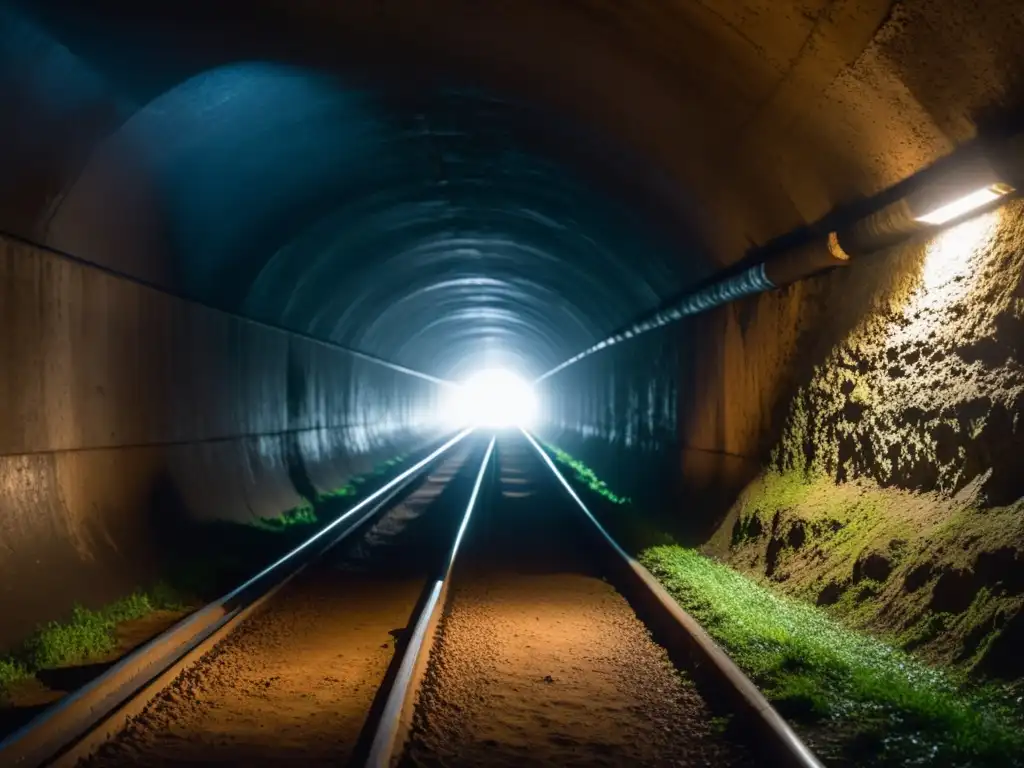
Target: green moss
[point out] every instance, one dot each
(921, 537)
(344, 492)
(224, 554)
(720, 724)
(782, 490)
(632, 530)
(858, 602)
(840, 524)
(925, 631)
(903, 712)
(790, 453)
(585, 475)
(386, 466)
(303, 514)
(87, 636)
(12, 672)
(861, 393)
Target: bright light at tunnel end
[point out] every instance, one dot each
(491, 399)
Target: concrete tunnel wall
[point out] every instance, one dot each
(758, 116)
(124, 407)
(617, 411)
(927, 333)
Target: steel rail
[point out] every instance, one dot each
(685, 632)
(74, 726)
(396, 715)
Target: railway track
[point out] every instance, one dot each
(459, 618)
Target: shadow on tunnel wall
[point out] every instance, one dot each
(130, 414)
(617, 411)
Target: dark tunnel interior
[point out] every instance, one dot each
(245, 251)
(428, 219)
(344, 184)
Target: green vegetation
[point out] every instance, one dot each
(872, 703)
(11, 672)
(586, 476)
(781, 490)
(389, 464)
(302, 515)
(228, 553)
(218, 560)
(820, 530)
(305, 514)
(632, 531)
(720, 724)
(901, 711)
(87, 636)
(344, 492)
(924, 572)
(861, 393)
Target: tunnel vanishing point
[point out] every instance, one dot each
(246, 247)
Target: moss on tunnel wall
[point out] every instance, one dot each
(860, 435)
(903, 368)
(939, 576)
(926, 391)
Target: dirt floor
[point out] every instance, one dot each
(294, 684)
(541, 662)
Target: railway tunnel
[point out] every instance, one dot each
(245, 252)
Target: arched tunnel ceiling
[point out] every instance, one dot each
(425, 181)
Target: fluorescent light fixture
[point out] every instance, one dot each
(969, 202)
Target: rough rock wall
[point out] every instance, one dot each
(124, 407)
(875, 415)
(904, 368)
(938, 575)
(926, 392)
